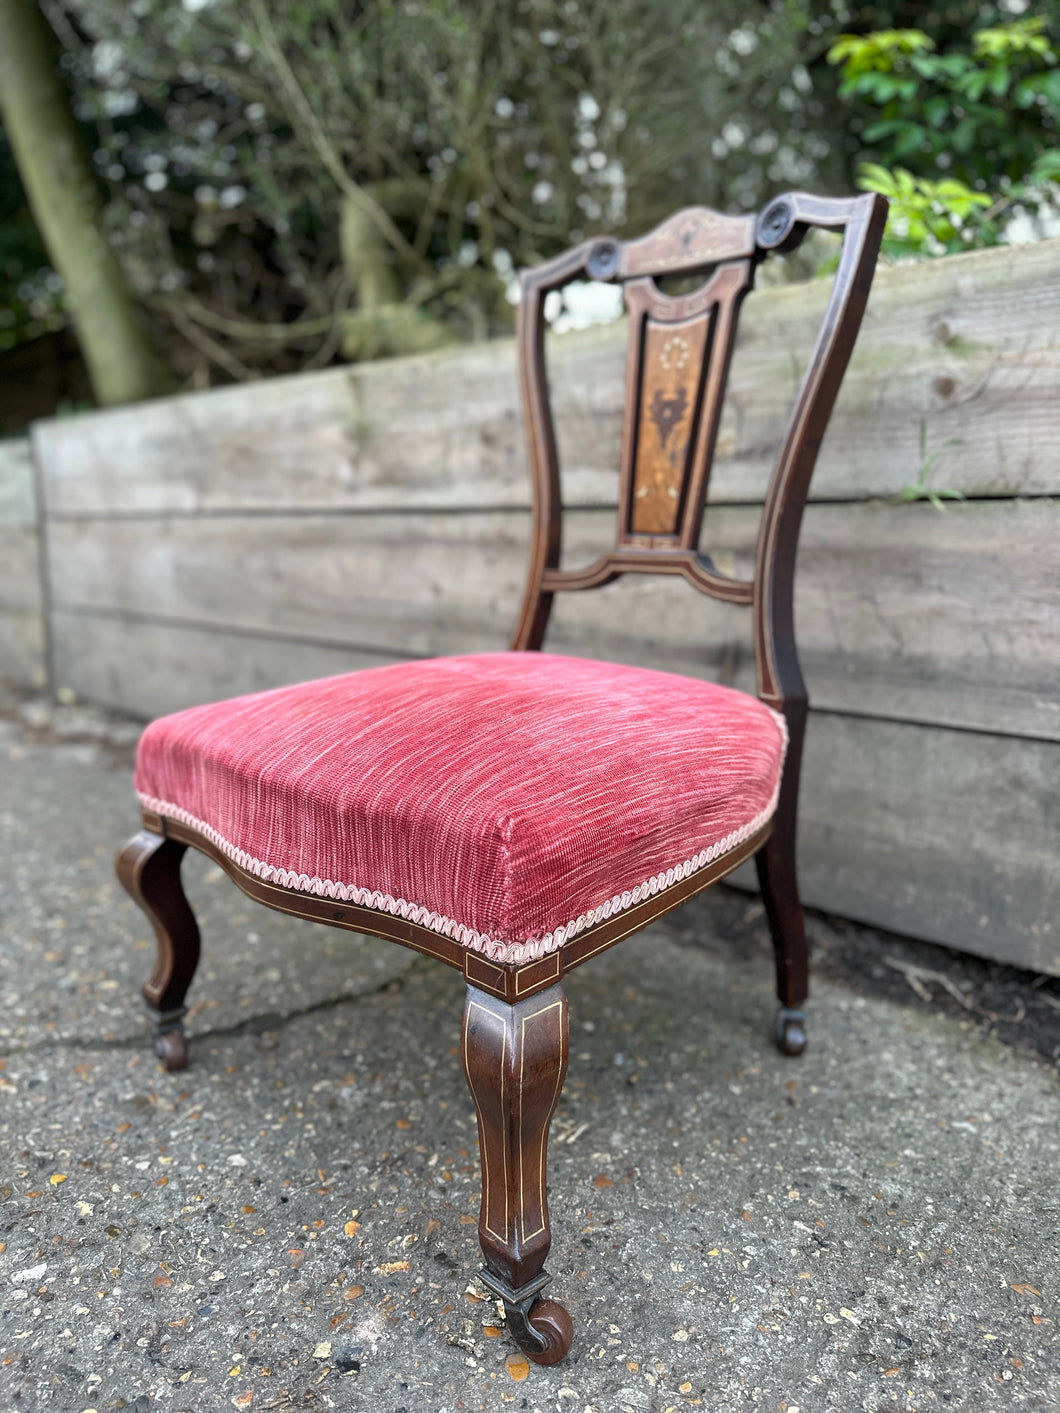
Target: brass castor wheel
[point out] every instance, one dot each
(170, 1044)
(791, 1031)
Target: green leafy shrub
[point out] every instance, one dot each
(966, 139)
(925, 216)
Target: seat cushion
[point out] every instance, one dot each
(508, 800)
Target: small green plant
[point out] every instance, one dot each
(925, 216)
(964, 138)
(919, 489)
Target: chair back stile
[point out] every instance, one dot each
(679, 352)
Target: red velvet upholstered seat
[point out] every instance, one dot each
(508, 800)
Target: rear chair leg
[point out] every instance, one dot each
(775, 862)
(515, 1058)
(148, 869)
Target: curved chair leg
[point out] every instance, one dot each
(515, 1058)
(148, 868)
(775, 862)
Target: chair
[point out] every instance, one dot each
(514, 814)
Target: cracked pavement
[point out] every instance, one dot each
(290, 1223)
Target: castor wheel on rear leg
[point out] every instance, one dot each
(172, 1050)
(148, 869)
(791, 1030)
(776, 874)
(171, 1046)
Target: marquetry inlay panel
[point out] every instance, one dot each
(673, 363)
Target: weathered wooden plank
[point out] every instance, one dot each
(150, 669)
(969, 346)
(22, 648)
(17, 500)
(902, 611)
(413, 584)
(944, 835)
(20, 585)
(22, 629)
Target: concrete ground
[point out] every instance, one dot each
(290, 1223)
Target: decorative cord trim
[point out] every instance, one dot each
(496, 948)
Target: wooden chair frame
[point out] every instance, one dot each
(515, 1019)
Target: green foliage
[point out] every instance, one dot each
(963, 137)
(919, 489)
(925, 215)
(867, 58)
(30, 292)
(234, 138)
(231, 135)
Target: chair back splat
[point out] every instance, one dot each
(498, 811)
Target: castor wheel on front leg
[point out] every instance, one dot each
(551, 1331)
(791, 1030)
(542, 1329)
(171, 1047)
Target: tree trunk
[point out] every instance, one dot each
(54, 165)
(384, 325)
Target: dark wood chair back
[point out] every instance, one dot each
(679, 352)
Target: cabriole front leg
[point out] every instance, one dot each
(515, 1058)
(148, 869)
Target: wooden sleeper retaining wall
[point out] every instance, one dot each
(217, 543)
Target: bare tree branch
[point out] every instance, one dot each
(319, 139)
